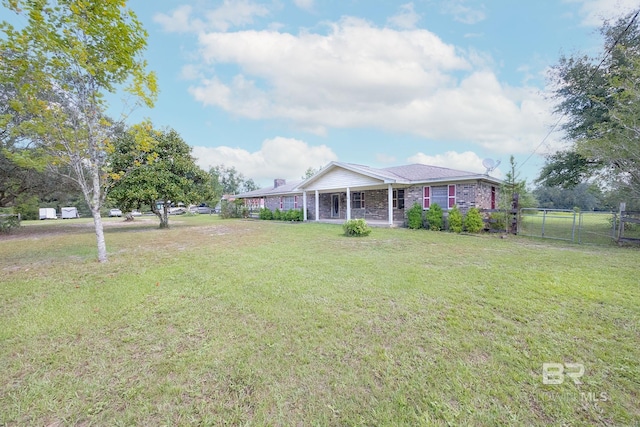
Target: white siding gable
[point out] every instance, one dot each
(342, 178)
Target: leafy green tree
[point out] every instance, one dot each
(155, 168)
(566, 169)
(227, 180)
(455, 220)
(515, 188)
(250, 185)
(599, 99)
(587, 197)
(434, 217)
(60, 65)
(513, 193)
(311, 171)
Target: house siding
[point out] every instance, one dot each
(273, 202)
(468, 195)
(340, 179)
(376, 207)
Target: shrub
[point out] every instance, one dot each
(294, 215)
(356, 228)
(277, 215)
(455, 220)
(27, 207)
(414, 217)
(231, 209)
(8, 222)
(266, 214)
(473, 221)
(434, 217)
(498, 221)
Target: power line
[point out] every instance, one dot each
(602, 61)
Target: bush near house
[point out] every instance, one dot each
(356, 228)
(498, 221)
(414, 217)
(266, 214)
(294, 215)
(473, 221)
(278, 215)
(455, 220)
(435, 217)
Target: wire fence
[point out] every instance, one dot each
(596, 228)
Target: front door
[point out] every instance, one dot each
(335, 206)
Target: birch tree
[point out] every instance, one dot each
(64, 60)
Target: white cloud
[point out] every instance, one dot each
(231, 13)
(277, 158)
(304, 4)
(594, 12)
(407, 18)
(463, 13)
(178, 21)
(190, 72)
(358, 75)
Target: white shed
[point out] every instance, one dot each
(47, 213)
(69, 212)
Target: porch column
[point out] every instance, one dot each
(348, 204)
(317, 206)
(390, 199)
(304, 206)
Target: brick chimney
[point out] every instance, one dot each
(278, 182)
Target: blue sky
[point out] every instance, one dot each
(273, 87)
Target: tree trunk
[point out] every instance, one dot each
(164, 216)
(102, 245)
(96, 203)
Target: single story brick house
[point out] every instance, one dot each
(342, 191)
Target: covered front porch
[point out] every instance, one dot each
(378, 205)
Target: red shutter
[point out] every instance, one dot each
(493, 197)
(295, 202)
(452, 195)
(281, 203)
(426, 201)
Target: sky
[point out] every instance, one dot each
(274, 87)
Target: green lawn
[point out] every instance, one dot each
(266, 323)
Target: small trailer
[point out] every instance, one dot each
(69, 212)
(47, 213)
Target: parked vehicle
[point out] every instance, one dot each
(203, 208)
(115, 212)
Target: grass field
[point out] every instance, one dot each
(264, 323)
